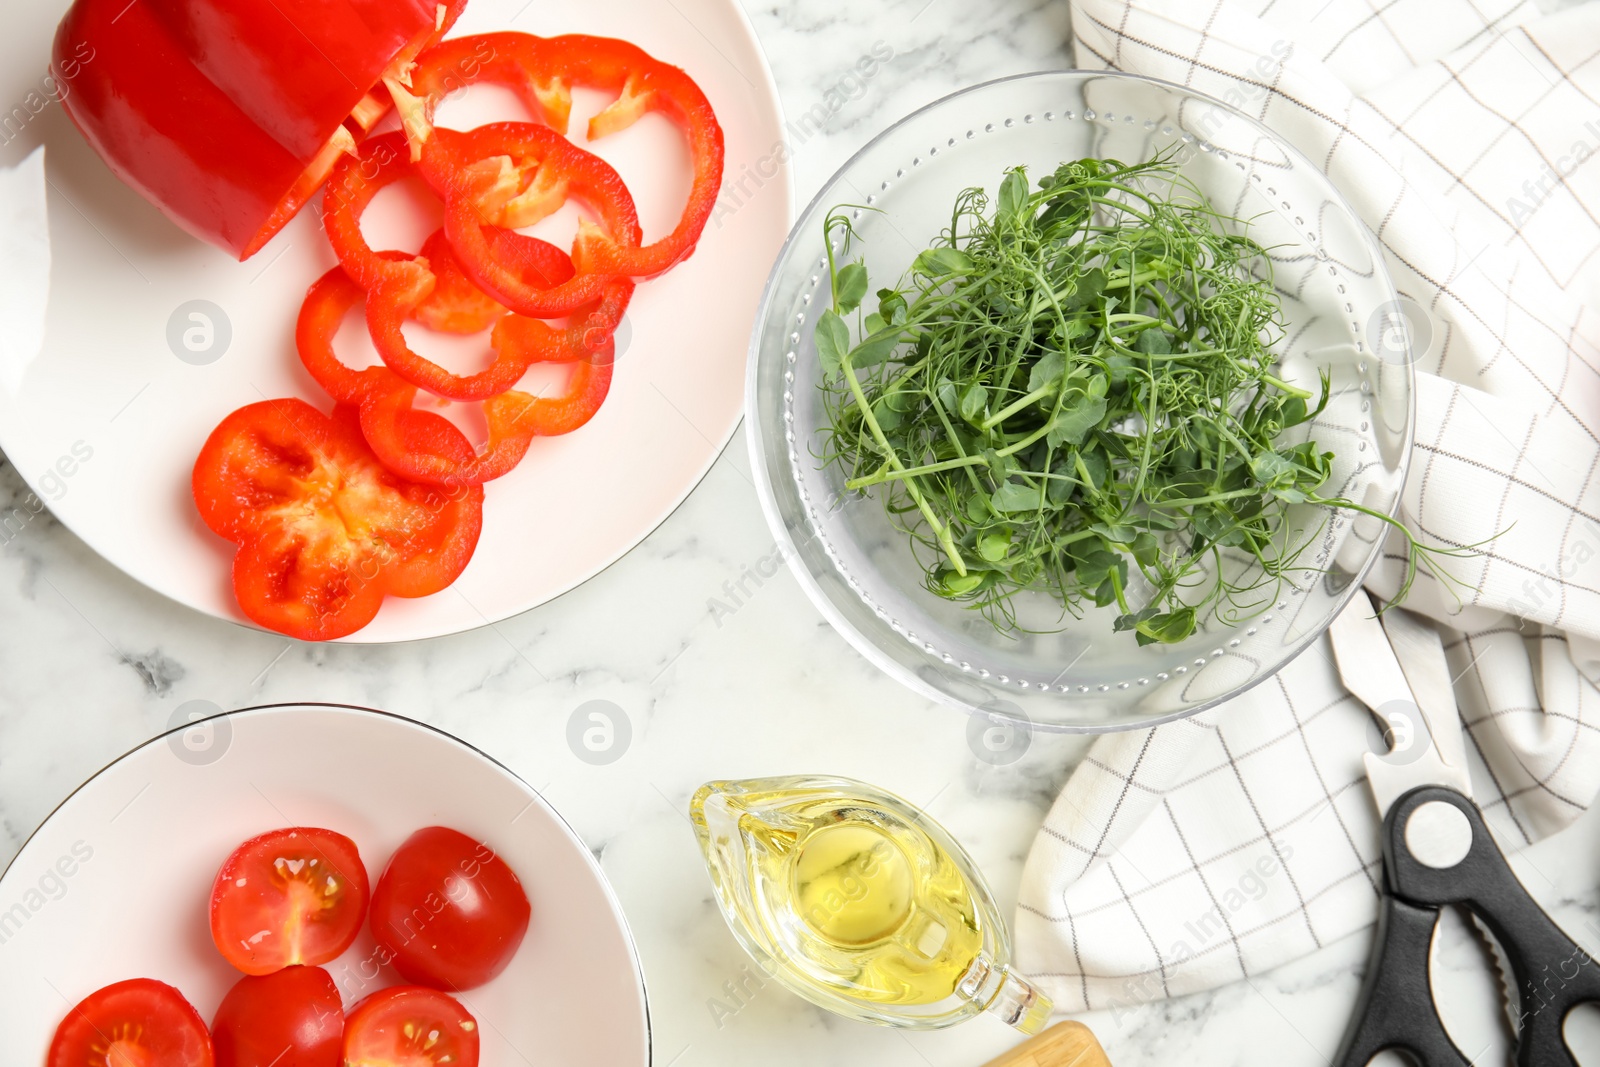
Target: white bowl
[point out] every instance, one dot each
(115, 883)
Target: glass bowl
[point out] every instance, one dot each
(1338, 303)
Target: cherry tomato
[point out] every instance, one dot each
(447, 911)
(138, 1023)
(290, 896)
(408, 1026)
(290, 1018)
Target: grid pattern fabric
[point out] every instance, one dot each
(1465, 134)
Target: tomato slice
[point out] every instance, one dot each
(290, 1018)
(408, 1026)
(449, 912)
(137, 1023)
(291, 896)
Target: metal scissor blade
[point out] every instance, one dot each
(1424, 733)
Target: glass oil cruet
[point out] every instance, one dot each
(858, 902)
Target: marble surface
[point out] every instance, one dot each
(94, 664)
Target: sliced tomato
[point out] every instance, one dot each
(448, 910)
(324, 530)
(290, 896)
(408, 1026)
(290, 1018)
(137, 1023)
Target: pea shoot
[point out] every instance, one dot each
(1077, 391)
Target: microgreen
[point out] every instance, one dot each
(1077, 391)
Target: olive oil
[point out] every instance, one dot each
(857, 901)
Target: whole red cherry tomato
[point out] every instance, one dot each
(447, 911)
(290, 896)
(289, 1018)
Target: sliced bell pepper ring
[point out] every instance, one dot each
(228, 114)
(324, 530)
(543, 71)
(512, 174)
(586, 334)
(514, 418)
(515, 350)
(335, 294)
(355, 180)
(456, 305)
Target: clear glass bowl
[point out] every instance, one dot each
(1338, 302)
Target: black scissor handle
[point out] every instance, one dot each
(1395, 1009)
(1552, 972)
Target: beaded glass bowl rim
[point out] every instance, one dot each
(862, 642)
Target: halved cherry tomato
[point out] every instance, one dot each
(290, 1018)
(449, 912)
(408, 1026)
(324, 530)
(290, 896)
(137, 1023)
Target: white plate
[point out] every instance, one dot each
(115, 884)
(108, 382)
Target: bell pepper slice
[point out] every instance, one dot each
(514, 419)
(355, 180)
(512, 174)
(543, 71)
(335, 294)
(228, 114)
(456, 305)
(324, 530)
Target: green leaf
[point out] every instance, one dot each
(892, 307)
(1153, 341)
(942, 262)
(1079, 413)
(974, 402)
(1014, 496)
(1013, 200)
(833, 341)
(947, 397)
(1087, 289)
(876, 348)
(1168, 628)
(1048, 371)
(850, 287)
(888, 418)
(1146, 551)
(994, 544)
(953, 584)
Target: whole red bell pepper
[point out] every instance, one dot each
(228, 114)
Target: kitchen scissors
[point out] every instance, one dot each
(1436, 851)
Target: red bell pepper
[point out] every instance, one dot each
(228, 114)
(543, 71)
(459, 304)
(512, 174)
(456, 305)
(514, 418)
(324, 531)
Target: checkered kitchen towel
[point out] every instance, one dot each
(1467, 134)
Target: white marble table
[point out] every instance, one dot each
(94, 664)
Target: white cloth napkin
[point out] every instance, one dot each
(1467, 135)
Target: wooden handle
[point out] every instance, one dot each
(1065, 1044)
